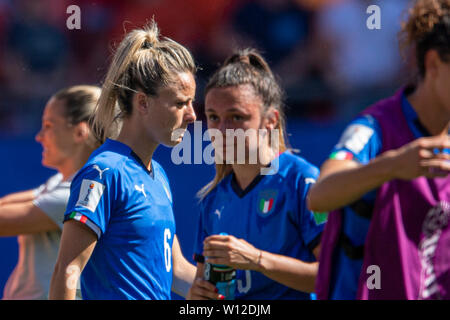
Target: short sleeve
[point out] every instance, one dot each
(310, 224)
(360, 141)
(91, 197)
(52, 199)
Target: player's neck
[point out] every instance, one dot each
(144, 148)
(429, 109)
(246, 173)
(67, 169)
(70, 165)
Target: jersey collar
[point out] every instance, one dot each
(238, 190)
(124, 149)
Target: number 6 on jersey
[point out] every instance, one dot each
(167, 249)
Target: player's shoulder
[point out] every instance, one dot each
(366, 119)
(102, 165)
(362, 133)
(158, 169)
(160, 173)
(218, 193)
(294, 166)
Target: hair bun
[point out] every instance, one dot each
(251, 57)
(239, 57)
(147, 45)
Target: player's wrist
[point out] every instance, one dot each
(386, 166)
(258, 263)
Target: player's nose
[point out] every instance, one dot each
(190, 115)
(38, 136)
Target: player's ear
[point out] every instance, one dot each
(432, 62)
(81, 132)
(271, 119)
(140, 102)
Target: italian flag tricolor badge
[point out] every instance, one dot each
(266, 205)
(77, 216)
(266, 202)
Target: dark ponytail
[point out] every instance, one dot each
(248, 67)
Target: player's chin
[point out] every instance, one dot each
(175, 138)
(172, 142)
(48, 163)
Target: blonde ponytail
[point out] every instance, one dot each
(142, 62)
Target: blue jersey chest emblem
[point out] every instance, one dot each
(266, 202)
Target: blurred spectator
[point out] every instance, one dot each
(34, 60)
(363, 63)
(199, 25)
(274, 26)
(321, 49)
(282, 30)
(91, 45)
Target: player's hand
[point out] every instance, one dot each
(230, 251)
(203, 290)
(419, 158)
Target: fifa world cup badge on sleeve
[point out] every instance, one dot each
(90, 193)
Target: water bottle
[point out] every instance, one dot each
(223, 277)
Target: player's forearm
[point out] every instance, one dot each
(22, 196)
(183, 277)
(291, 272)
(64, 282)
(343, 187)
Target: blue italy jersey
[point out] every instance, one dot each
(361, 142)
(130, 210)
(272, 215)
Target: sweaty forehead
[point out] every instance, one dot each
(242, 95)
(183, 86)
(54, 110)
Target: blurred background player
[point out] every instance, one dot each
(272, 239)
(119, 226)
(387, 180)
(36, 216)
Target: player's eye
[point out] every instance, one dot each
(212, 117)
(181, 104)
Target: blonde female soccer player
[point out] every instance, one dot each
(36, 216)
(119, 228)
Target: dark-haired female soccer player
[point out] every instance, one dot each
(387, 180)
(272, 239)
